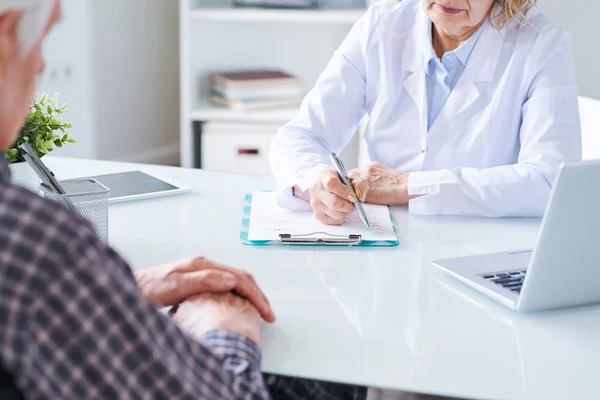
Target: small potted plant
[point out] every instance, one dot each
(44, 130)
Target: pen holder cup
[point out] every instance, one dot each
(87, 197)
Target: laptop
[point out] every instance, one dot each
(564, 268)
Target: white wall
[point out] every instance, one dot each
(581, 17)
(116, 64)
(67, 57)
(136, 73)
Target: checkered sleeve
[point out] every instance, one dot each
(73, 324)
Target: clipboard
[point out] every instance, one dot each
(311, 238)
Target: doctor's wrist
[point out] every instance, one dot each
(401, 197)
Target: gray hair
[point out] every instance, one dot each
(36, 14)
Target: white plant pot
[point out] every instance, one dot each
(24, 175)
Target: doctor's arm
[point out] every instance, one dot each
(328, 118)
(550, 134)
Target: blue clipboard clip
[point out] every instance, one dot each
(330, 240)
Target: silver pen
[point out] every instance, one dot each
(341, 170)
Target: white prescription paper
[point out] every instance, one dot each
(268, 221)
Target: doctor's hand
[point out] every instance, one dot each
(331, 200)
(384, 185)
(171, 284)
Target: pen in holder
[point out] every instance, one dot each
(87, 197)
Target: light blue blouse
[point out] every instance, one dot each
(443, 75)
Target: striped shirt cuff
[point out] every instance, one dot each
(229, 344)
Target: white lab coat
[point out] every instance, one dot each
(496, 145)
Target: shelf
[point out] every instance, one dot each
(208, 112)
(327, 16)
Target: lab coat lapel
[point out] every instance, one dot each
(414, 85)
(475, 79)
(412, 63)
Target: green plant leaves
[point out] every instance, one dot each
(42, 127)
(12, 155)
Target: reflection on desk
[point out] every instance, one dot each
(376, 317)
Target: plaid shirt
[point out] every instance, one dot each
(73, 324)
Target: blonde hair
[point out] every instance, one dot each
(509, 10)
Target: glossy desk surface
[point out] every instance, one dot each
(373, 316)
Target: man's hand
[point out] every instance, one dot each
(204, 313)
(384, 185)
(331, 200)
(171, 284)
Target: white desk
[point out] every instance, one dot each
(377, 317)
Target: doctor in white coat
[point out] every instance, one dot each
(472, 106)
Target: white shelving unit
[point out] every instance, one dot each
(215, 36)
(269, 15)
(209, 112)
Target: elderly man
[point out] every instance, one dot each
(76, 323)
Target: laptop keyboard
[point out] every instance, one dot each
(512, 280)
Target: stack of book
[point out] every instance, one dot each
(253, 89)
